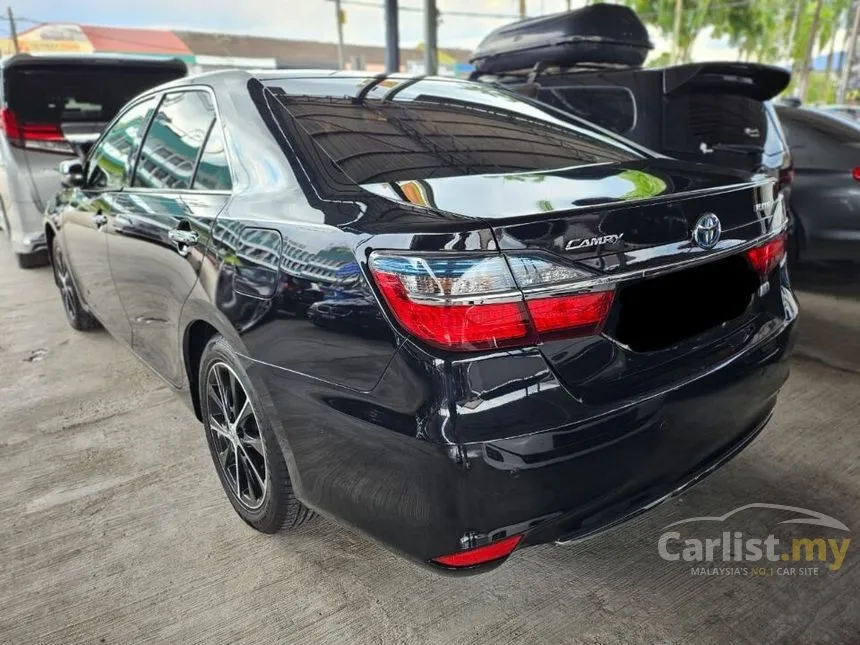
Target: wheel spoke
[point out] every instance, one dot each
(222, 394)
(238, 485)
(234, 400)
(218, 428)
(215, 398)
(244, 413)
(251, 441)
(248, 461)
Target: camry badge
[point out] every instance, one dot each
(588, 242)
(706, 232)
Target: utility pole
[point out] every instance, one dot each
(803, 84)
(340, 20)
(568, 5)
(848, 56)
(676, 38)
(522, 9)
(431, 56)
(392, 38)
(13, 32)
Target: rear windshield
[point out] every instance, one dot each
(704, 123)
(407, 129)
(72, 95)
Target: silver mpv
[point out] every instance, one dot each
(54, 106)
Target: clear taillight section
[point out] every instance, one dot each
(465, 302)
(766, 257)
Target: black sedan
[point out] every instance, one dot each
(825, 194)
(456, 319)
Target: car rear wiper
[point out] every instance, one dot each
(745, 148)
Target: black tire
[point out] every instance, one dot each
(78, 317)
(278, 508)
(32, 260)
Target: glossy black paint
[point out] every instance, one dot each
(423, 449)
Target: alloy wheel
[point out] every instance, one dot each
(67, 289)
(235, 434)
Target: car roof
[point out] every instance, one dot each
(35, 60)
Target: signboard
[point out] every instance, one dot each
(52, 38)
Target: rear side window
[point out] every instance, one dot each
(174, 140)
(44, 94)
(612, 108)
(213, 173)
(705, 122)
(110, 162)
(818, 141)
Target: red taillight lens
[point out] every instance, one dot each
(470, 302)
(856, 173)
(33, 136)
(482, 554)
(766, 257)
(581, 313)
(459, 326)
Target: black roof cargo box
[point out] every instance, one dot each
(596, 34)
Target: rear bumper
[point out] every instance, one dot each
(390, 462)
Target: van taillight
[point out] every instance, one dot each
(786, 177)
(33, 136)
(466, 302)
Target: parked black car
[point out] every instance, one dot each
(588, 62)
(519, 387)
(825, 199)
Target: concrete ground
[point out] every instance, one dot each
(114, 529)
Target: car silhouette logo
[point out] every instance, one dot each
(706, 232)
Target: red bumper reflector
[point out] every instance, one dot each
(482, 554)
(766, 257)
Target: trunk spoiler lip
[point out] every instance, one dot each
(499, 222)
(761, 82)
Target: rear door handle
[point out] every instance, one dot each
(182, 239)
(99, 220)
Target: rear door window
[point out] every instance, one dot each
(612, 108)
(109, 164)
(178, 131)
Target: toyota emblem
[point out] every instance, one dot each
(706, 232)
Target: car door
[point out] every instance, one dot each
(86, 215)
(160, 224)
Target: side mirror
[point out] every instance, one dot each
(71, 173)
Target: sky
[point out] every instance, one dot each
(309, 19)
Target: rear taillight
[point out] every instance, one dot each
(766, 258)
(856, 173)
(480, 555)
(465, 302)
(31, 136)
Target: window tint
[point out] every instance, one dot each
(819, 141)
(110, 163)
(612, 108)
(213, 173)
(65, 93)
(173, 141)
(697, 122)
